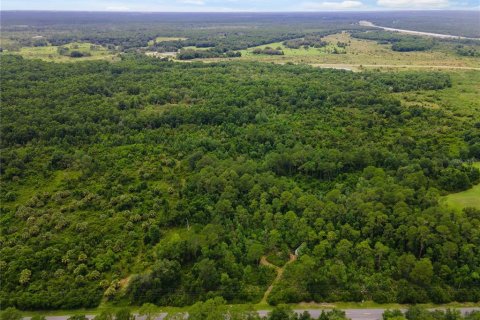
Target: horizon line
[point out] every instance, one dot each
(247, 11)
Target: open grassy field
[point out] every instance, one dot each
(362, 54)
(50, 53)
(466, 199)
(462, 100)
(301, 52)
(6, 43)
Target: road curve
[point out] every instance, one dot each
(418, 33)
(353, 314)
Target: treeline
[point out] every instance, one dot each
(216, 309)
(399, 42)
(147, 181)
(467, 51)
(407, 45)
(269, 51)
(306, 42)
(74, 53)
(205, 54)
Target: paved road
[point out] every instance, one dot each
(360, 314)
(354, 314)
(419, 33)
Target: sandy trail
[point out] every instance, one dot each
(279, 270)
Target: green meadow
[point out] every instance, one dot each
(50, 53)
(466, 199)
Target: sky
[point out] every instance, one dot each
(236, 5)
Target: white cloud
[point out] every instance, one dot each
(329, 5)
(413, 4)
(194, 2)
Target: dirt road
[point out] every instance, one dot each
(279, 270)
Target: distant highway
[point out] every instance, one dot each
(354, 314)
(418, 33)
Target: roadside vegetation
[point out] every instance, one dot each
(216, 309)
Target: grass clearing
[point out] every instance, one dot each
(50, 53)
(462, 100)
(466, 199)
(288, 52)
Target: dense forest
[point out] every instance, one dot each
(146, 181)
